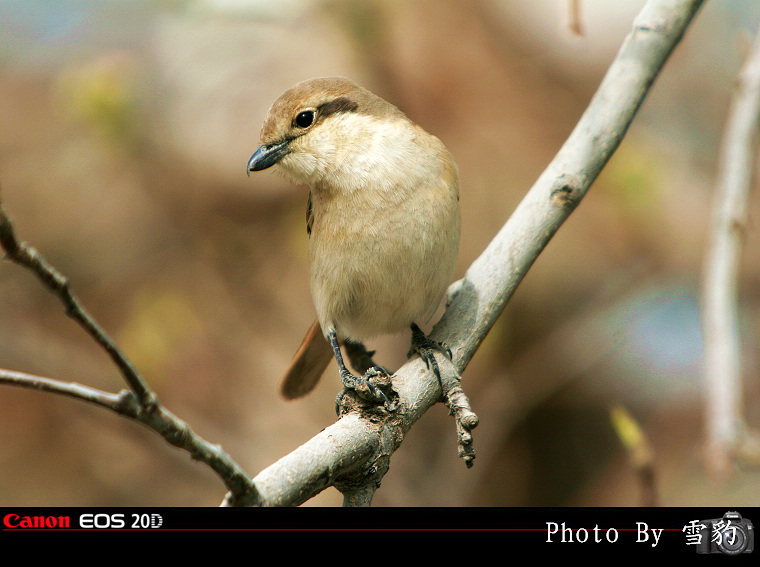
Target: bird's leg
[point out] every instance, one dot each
(425, 346)
(360, 358)
(362, 385)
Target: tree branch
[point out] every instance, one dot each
(476, 301)
(57, 283)
(141, 403)
(353, 454)
(574, 20)
(726, 430)
(493, 277)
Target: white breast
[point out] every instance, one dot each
(386, 226)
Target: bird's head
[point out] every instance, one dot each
(320, 126)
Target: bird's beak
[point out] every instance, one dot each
(267, 156)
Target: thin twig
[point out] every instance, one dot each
(726, 429)
(574, 20)
(139, 404)
(640, 453)
(114, 402)
(27, 256)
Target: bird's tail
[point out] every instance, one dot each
(308, 364)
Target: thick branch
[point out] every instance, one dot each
(493, 277)
(478, 299)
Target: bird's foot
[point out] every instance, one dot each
(373, 388)
(426, 347)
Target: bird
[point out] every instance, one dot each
(383, 222)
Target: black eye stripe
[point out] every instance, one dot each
(340, 104)
(306, 118)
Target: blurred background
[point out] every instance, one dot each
(125, 128)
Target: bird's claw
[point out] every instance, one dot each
(368, 387)
(425, 347)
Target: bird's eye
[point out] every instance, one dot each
(305, 119)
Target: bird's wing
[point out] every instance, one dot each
(309, 216)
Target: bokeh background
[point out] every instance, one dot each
(125, 128)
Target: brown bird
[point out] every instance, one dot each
(382, 218)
